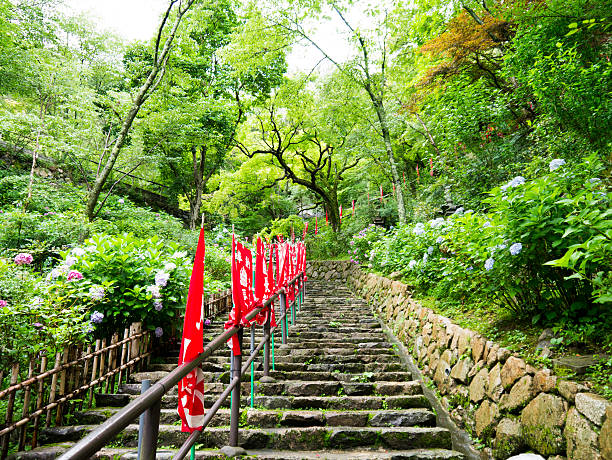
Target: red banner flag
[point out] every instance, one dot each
(418, 175)
(393, 188)
(353, 208)
(242, 288)
(191, 387)
(264, 283)
(326, 218)
(305, 231)
(381, 194)
(340, 212)
(316, 225)
(431, 167)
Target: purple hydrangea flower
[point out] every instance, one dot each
(158, 305)
(154, 291)
(96, 317)
(23, 258)
(207, 322)
(3, 303)
(159, 332)
(38, 325)
(96, 292)
(489, 263)
(161, 278)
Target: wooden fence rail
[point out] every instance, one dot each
(50, 396)
(52, 388)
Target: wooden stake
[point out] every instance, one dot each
(39, 400)
(26, 405)
(85, 372)
(9, 410)
(126, 333)
(58, 360)
(62, 389)
(94, 368)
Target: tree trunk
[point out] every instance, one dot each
(198, 181)
(143, 93)
(333, 211)
(384, 127)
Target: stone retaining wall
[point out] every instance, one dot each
(489, 391)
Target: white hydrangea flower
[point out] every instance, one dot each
(169, 266)
(556, 164)
(412, 264)
(78, 252)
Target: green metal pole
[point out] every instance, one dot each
(192, 457)
(272, 342)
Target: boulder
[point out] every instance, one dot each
(544, 381)
(508, 438)
(581, 437)
(479, 385)
(568, 389)
(592, 406)
(542, 422)
(520, 394)
(478, 344)
(605, 436)
(486, 416)
(514, 369)
(461, 369)
(494, 384)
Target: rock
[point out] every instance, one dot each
(461, 369)
(527, 457)
(580, 437)
(508, 438)
(302, 418)
(478, 344)
(513, 369)
(267, 379)
(475, 369)
(544, 381)
(442, 375)
(59, 434)
(579, 364)
(395, 275)
(463, 343)
(448, 357)
(420, 417)
(542, 421)
(592, 406)
(520, 394)
(486, 417)
(492, 356)
(479, 385)
(494, 385)
(503, 354)
(605, 436)
(232, 452)
(568, 389)
(546, 334)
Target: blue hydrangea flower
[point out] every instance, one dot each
(440, 240)
(96, 292)
(412, 264)
(159, 332)
(489, 263)
(158, 305)
(429, 250)
(419, 229)
(161, 278)
(516, 248)
(518, 180)
(556, 163)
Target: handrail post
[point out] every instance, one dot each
(235, 407)
(266, 331)
(144, 386)
(150, 432)
(295, 299)
(283, 302)
(252, 366)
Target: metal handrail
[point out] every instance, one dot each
(98, 438)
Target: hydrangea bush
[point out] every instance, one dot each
(562, 216)
(142, 279)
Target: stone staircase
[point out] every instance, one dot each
(338, 391)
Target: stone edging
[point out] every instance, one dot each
(492, 393)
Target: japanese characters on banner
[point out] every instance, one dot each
(242, 289)
(191, 387)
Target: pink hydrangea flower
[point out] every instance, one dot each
(74, 275)
(23, 259)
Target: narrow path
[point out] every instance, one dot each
(338, 391)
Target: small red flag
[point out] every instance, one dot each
(418, 175)
(242, 288)
(326, 218)
(340, 211)
(316, 225)
(381, 194)
(393, 188)
(431, 167)
(353, 208)
(305, 231)
(191, 387)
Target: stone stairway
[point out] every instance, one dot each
(338, 391)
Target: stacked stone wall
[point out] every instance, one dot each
(488, 390)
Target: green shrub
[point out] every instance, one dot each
(327, 244)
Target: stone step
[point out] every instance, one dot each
(308, 438)
(323, 388)
(286, 418)
(343, 402)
